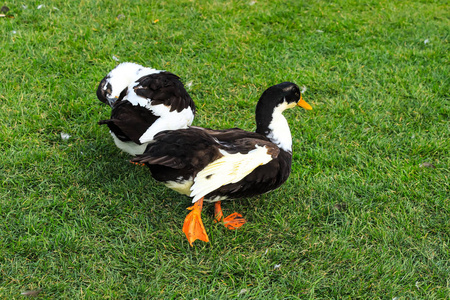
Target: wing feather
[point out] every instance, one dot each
(230, 168)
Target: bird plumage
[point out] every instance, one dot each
(144, 101)
(115, 82)
(227, 164)
(181, 154)
(192, 154)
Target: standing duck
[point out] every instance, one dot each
(144, 101)
(214, 165)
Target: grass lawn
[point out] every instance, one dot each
(365, 213)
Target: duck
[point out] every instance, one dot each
(216, 165)
(143, 101)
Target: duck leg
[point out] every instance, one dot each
(218, 214)
(233, 221)
(193, 225)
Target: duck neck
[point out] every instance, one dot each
(272, 124)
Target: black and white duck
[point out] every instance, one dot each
(214, 165)
(144, 101)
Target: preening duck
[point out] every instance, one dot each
(214, 165)
(144, 101)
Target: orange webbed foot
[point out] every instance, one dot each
(233, 221)
(136, 163)
(193, 226)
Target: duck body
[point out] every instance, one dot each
(217, 164)
(144, 101)
(214, 165)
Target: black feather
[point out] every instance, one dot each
(129, 122)
(164, 88)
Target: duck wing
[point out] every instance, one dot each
(238, 161)
(164, 88)
(191, 149)
(230, 136)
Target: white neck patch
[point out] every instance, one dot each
(280, 134)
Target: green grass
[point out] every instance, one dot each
(360, 217)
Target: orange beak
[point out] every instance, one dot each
(302, 103)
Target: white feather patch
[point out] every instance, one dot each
(181, 186)
(132, 97)
(121, 76)
(169, 120)
(125, 75)
(230, 168)
(129, 147)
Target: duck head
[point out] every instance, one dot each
(269, 119)
(114, 85)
